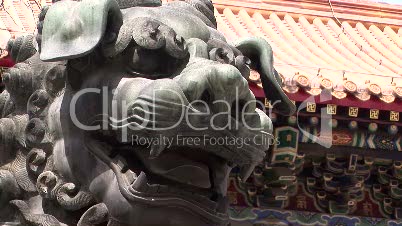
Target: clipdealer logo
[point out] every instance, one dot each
(118, 117)
(205, 140)
(215, 122)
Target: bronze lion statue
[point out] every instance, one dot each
(106, 114)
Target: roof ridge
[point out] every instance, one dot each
(381, 14)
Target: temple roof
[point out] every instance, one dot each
(314, 51)
(352, 48)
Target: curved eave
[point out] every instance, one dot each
(313, 54)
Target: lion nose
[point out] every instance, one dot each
(221, 87)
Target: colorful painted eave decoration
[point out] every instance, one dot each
(358, 186)
(348, 131)
(315, 109)
(256, 216)
(314, 86)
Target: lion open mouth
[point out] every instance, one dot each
(176, 174)
(194, 178)
(191, 177)
(186, 178)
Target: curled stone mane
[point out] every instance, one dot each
(28, 108)
(54, 173)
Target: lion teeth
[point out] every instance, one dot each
(130, 176)
(156, 150)
(246, 171)
(121, 163)
(141, 183)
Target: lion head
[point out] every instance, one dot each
(118, 118)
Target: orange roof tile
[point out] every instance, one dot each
(18, 17)
(315, 53)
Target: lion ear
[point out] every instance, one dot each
(260, 53)
(73, 29)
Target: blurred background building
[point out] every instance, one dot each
(338, 161)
